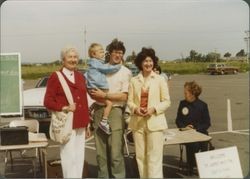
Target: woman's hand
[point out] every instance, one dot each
(139, 111)
(149, 112)
(71, 107)
(190, 126)
(144, 112)
(87, 132)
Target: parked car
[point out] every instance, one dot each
(221, 68)
(33, 99)
(133, 69)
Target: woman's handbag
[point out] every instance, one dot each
(61, 122)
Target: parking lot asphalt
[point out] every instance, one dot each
(217, 91)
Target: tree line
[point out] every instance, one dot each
(194, 56)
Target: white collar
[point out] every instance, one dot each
(141, 78)
(67, 72)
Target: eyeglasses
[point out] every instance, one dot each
(118, 52)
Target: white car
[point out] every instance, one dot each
(33, 100)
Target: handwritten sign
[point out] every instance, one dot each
(220, 163)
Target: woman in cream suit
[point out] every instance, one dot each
(148, 99)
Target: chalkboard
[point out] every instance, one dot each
(10, 84)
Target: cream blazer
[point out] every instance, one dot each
(158, 98)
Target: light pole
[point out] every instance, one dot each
(247, 39)
(85, 46)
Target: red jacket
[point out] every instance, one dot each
(55, 98)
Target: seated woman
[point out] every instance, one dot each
(193, 113)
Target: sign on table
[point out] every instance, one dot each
(220, 163)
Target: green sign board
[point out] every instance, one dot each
(10, 84)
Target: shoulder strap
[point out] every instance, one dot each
(65, 87)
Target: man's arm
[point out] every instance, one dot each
(120, 96)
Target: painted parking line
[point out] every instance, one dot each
(89, 144)
(218, 132)
(238, 132)
(90, 147)
(243, 131)
(90, 138)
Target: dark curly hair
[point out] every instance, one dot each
(157, 68)
(146, 52)
(193, 88)
(114, 45)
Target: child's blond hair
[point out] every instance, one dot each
(92, 49)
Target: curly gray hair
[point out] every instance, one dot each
(66, 50)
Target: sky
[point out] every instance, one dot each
(40, 29)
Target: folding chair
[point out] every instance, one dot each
(130, 158)
(207, 146)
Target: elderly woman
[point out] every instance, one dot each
(148, 99)
(193, 113)
(71, 153)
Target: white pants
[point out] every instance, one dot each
(72, 154)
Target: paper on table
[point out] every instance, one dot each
(37, 137)
(169, 135)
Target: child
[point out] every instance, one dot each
(96, 78)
